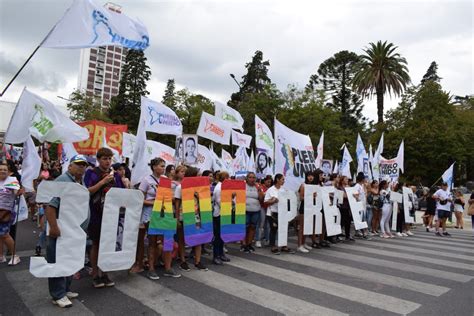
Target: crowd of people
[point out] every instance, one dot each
(262, 196)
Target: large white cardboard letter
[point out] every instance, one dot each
(71, 245)
(332, 216)
(132, 201)
(396, 198)
(313, 205)
(286, 212)
(407, 204)
(357, 208)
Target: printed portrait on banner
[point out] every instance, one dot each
(263, 163)
(190, 143)
(179, 150)
(326, 167)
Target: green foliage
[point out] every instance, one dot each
(169, 98)
(431, 74)
(335, 76)
(381, 70)
(85, 108)
(125, 107)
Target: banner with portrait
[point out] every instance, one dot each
(263, 163)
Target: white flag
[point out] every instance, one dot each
(448, 176)
(401, 156)
(241, 140)
(251, 163)
(376, 159)
(31, 165)
(213, 128)
(116, 158)
(263, 136)
(361, 154)
(229, 115)
(240, 162)
(345, 164)
(204, 161)
(158, 150)
(159, 118)
(227, 159)
(87, 24)
(217, 163)
(68, 151)
(379, 150)
(336, 168)
(320, 151)
(140, 166)
(39, 118)
(128, 142)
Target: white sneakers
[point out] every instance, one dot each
(3, 259)
(409, 233)
(14, 261)
(404, 235)
(72, 294)
(258, 244)
(399, 234)
(63, 302)
(307, 247)
(302, 249)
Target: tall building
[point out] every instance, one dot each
(100, 68)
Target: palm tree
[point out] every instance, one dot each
(381, 70)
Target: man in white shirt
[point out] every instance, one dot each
(443, 207)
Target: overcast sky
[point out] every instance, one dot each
(199, 43)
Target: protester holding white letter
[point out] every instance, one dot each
(443, 208)
(345, 209)
(384, 201)
(60, 287)
(271, 199)
(302, 246)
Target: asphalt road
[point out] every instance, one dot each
(418, 275)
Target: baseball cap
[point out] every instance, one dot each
(78, 159)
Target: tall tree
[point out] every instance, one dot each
(431, 74)
(335, 76)
(169, 98)
(381, 70)
(83, 107)
(125, 107)
(254, 81)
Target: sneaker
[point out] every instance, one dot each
(246, 249)
(14, 261)
(98, 283)
(225, 249)
(307, 247)
(315, 245)
(404, 234)
(108, 282)
(152, 275)
(438, 234)
(258, 244)
(276, 251)
(242, 248)
(38, 251)
(446, 234)
(184, 266)
(200, 266)
(63, 302)
(3, 259)
(224, 258)
(171, 273)
(358, 234)
(251, 248)
(217, 261)
(399, 234)
(302, 249)
(409, 233)
(72, 295)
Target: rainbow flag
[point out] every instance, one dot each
(162, 220)
(233, 231)
(12, 184)
(197, 233)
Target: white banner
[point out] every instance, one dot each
(263, 136)
(320, 151)
(229, 115)
(294, 155)
(241, 140)
(122, 231)
(159, 150)
(128, 143)
(214, 128)
(71, 245)
(39, 118)
(287, 210)
(240, 162)
(388, 169)
(31, 165)
(88, 24)
(227, 159)
(345, 163)
(263, 163)
(159, 118)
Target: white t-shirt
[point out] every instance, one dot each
(271, 193)
(362, 196)
(149, 186)
(443, 195)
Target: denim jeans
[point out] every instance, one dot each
(58, 287)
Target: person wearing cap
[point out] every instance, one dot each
(60, 288)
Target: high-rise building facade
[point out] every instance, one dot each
(100, 69)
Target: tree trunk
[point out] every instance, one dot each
(379, 92)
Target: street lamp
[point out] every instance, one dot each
(233, 77)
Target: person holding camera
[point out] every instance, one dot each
(443, 208)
